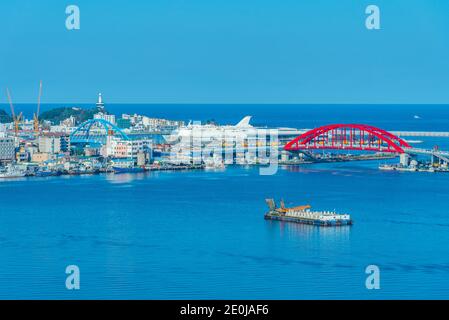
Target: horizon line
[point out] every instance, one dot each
(236, 103)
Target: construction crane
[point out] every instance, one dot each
(16, 119)
(283, 209)
(36, 115)
(298, 208)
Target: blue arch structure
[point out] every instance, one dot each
(95, 131)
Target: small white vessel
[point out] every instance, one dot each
(387, 167)
(214, 164)
(12, 171)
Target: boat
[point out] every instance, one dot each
(12, 171)
(387, 167)
(47, 173)
(303, 214)
(128, 169)
(214, 163)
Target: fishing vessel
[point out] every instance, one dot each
(303, 214)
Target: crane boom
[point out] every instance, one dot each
(39, 99)
(299, 208)
(16, 119)
(283, 208)
(10, 104)
(36, 115)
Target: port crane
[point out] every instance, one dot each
(283, 209)
(298, 208)
(16, 119)
(36, 115)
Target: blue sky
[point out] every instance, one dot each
(226, 51)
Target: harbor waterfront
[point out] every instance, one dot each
(198, 234)
(201, 234)
(91, 140)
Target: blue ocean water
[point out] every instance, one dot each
(201, 234)
(388, 117)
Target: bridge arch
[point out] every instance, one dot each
(95, 131)
(348, 137)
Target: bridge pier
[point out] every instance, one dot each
(404, 159)
(285, 155)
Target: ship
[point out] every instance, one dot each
(12, 171)
(211, 131)
(213, 164)
(128, 169)
(47, 173)
(303, 214)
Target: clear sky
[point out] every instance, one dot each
(226, 51)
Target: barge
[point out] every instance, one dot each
(303, 215)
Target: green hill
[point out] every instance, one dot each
(5, 117)
(59, 114)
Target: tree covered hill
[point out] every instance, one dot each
(5, 117)
(60, 114)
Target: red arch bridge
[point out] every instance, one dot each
(358, 137)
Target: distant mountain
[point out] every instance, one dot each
(5, 117)
(60, 114)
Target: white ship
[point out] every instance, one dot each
(213, 164)
(237, 144)
(12, 171)
(241, 130)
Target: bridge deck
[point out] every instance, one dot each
(420, 133)
(427, 151)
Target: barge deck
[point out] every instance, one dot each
(303, 215)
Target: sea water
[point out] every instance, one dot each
(202, 235)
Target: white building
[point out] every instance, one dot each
(144, 123)
(62, 129)
(117, 148)
(3, 130)
(139, 146)
(49, 144)
(69, 122)
(108, 117)
(7, 149)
